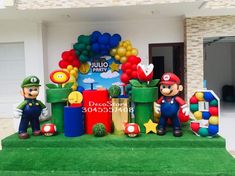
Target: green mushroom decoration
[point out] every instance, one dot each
(114, 91)
(99, 130)
(57, 96)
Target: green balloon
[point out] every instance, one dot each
(77, 52)
(80, 38)
(203, 132)
(75, 46)
(114, 91)
(99, 130)
(86, 40)
(193, 107)
(88, 47)
(83, 58)
(214, 103)
(85, 52)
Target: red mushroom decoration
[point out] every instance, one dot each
(48, 129)
(131, 129)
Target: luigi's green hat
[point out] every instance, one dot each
(30, 81)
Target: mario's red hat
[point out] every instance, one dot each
(169, 79)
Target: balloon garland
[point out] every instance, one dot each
(97, 44)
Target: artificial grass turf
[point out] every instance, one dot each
(189, 140)
(116, 155)
(161, 161)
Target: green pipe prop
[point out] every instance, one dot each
(58, 98)
(143, 97)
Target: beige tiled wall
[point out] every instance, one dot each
(196, 29)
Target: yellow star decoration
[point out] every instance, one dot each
(114, 67)
(151, 126)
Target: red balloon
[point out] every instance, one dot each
(195, 126)
(76, 63)
(128, 71)
(133, 59)
(72, 52)
(213, 111)
(134, 74)
(134, 67)
(123, 67)
(65, 55)
(70, 58)
(63, 64)
(125, 78)
(128, 65)
(193, 100)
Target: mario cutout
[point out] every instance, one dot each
(169, 104)
(30, 109)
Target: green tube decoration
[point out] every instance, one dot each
(58, 98)
(143, 97)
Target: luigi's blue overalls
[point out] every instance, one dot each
(32, 109)
(169, 109)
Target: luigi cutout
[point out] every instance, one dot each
(31, 109)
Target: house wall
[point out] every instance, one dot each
(167, 52)
(217, 66)
(61, 36)
(196, 29)
(30, 33)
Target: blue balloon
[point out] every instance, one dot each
(108, 47)
(94, 36)
(80, 89)
(208, 96)
(102, 47)
(107, 35)
(95, 47)
(213, 129)
(103, 39)
(206, 115)
(117, 37)
(113, 42)
(104, 52)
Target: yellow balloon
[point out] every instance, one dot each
(73, 72)
(199, 96)
(65, 69)
(113, 52)
(75, 69)
(72, 78)
(134, 51)
(84, 68)
(214, 120)
(117, 57)
(128, 53)
(121, 51)
(129, 48)
(128, 42)
(198, 115)
(120, 44)
(74, 87)
(69, 67)
(123, 59)
(125, 44)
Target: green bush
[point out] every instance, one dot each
(99, 130)
(114, 91)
